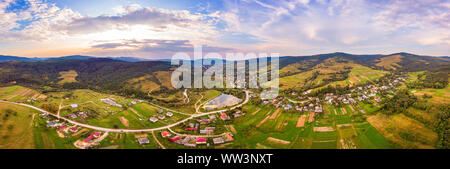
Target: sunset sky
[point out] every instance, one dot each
(160, 28)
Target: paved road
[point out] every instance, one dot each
(131, 130)
(185, 95)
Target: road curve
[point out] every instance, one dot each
(130, 130)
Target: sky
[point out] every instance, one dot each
(158, 29)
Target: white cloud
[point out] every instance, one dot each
(345, 24)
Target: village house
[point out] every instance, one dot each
(224, 116)
(161, 116)
(153, 119)
(229, 137)
(169, 114)
(190, 145)
(200, 140)
(218, 140)
(143, 140)
(318, 109)
(165, 134)
(204, 121)
(345, 101)
(72, 116)
(174, 139)
(73, 129)
(52, 124)
(74, 105)
(96, 134)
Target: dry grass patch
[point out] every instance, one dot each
(68, 76)
(323, 129)
(279, 141)
(390, 62)
(275, 114)
(301, 121)
(124, 121)
(311, 117)
(396, 126)
(262, 121)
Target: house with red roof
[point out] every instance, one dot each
(174, 139)
(96, 134)
(73, 129)
(62, 127)
(165, 134)
(224, 116)
(190, 129)
(200, 140)
(89, 138)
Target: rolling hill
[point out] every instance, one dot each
(140, 77)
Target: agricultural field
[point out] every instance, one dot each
(22, 127)
(19, 94)
(358, 75)
(404, 131)
(439, 96)
(339, 127)
(127, 141)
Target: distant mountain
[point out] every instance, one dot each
(5, 58)
(128, 59)
(72, 57)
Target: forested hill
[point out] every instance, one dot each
(107, 74)
(97, 73)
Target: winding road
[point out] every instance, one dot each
(247, 94)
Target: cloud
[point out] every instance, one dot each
(151, 47)
(132, 15)
(350, 25)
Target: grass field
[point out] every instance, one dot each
(16, 127)
(19, 94)
(22, 127)
(390, 62)
(358, 74)
(67, 76)
(283, 127)
(404, 131)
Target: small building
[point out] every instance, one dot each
(218, 140)
(52, 124)
(96, 134)
(200, 140)
(153, 119)
(174, 139)
(169, 114)
(229, 137)
(73, 116)
(143, 140)
(161, 116)
(190, 145)
(190, 129)
(73, 129)
(224, 116)
(165, 134)
(62, 127)
(74, 105)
